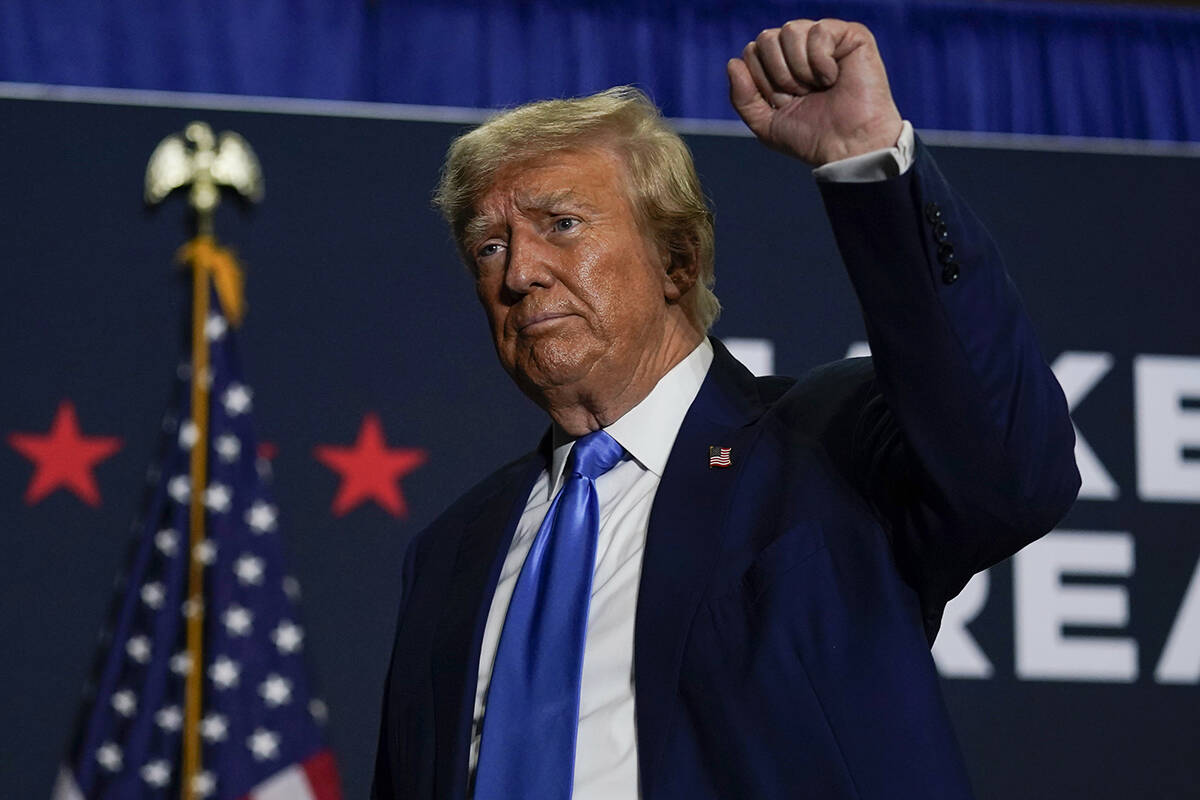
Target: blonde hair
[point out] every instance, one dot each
(665, 190)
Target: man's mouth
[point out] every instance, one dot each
(539, 321)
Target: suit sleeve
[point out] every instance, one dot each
(965, 448)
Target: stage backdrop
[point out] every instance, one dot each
(1070, 671)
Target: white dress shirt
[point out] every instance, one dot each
(606, 747)
(606, 759)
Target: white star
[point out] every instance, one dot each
(276, 690)
(181, 663)
(203, 784)
(238, 620)
(188, 434)
(110, 757)
(249, 570)
(224, 672)
(264, 744)
(180, 488)
(228, 447)
(153, 595)
(215, 327)
(169, 718)
(318, 709)
(205, 551)
(167, 541)
(217, 497)
(260, 516)
(291, 587)
(138, 648)
(287, 636)
(124, 703)
(157, 773)
(236, 399)
(214, 727)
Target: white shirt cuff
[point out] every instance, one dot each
(877, 165)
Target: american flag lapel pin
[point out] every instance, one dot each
(719, 456)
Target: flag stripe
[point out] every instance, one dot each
(65, 787)
(314, 779)
(322, 773)
(290, 784)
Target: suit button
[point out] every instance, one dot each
(941, 233)
(933, 212)
(950, 274)
(946, 254)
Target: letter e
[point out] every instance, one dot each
(1044, 605)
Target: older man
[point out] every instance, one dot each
(704, 584)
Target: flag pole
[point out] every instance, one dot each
(194, 159)
(198, 474)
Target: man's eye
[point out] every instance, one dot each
(565, 223)
(489, 249)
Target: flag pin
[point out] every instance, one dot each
(719, 456)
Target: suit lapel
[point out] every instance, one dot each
(683, 541)
(481, 551)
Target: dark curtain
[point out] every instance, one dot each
(975, 66)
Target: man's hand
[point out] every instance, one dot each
(815, 90)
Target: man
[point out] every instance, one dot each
(704, 584)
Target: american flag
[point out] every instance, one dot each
(261, 726)
(719, 456)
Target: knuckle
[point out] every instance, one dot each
(798, 28)
(766, 36)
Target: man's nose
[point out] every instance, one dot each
(530, 263)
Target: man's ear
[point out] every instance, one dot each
(681, 262)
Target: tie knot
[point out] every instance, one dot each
(594, 454)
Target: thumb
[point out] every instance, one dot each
(744, 95)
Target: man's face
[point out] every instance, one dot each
(576, 296)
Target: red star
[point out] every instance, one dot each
(63, 457)
(370, 470)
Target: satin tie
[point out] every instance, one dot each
(532, 715)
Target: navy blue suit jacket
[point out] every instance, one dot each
(787, 602)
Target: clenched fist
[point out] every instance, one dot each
(815, 90)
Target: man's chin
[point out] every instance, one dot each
(549, 370)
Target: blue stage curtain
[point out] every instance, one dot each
(975, 66)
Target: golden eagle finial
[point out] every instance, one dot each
(206, 163)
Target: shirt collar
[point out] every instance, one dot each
(647, 431)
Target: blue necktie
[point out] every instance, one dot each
(532, 716)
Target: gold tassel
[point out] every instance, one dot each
(203, 253)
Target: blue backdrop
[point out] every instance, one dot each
(1039, 68)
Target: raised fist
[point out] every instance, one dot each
(815, 90)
